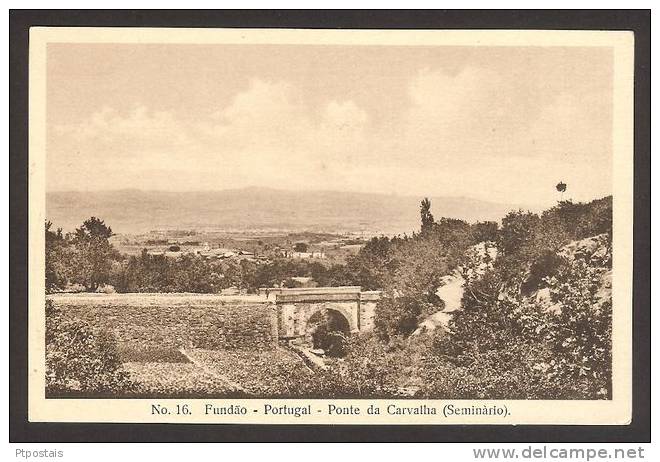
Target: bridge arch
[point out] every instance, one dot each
(327, 330)
(339, 317)
(295, 308)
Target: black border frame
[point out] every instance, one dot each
(20, 430)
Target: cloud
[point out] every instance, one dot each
(472, 112)
(475, 132)
(264, 111)
(266, 135)
(139, 130)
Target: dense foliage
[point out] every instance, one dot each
(79, 360)
(535, 319)
(83, 258)
(505, 342)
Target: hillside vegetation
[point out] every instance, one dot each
(534, 320)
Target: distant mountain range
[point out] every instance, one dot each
(137, 211)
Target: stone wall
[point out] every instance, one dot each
(178, 320)
(217, 322)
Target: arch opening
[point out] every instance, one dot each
(328, 330)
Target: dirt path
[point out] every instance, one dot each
(308, 358)
(233, 385)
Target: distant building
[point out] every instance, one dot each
(302, 255)
(230, 291)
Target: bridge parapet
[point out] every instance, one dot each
(371, 295)
(318, 294)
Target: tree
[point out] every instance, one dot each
(483, 231)
(399, 316)
(371, 268)
(94, 229)
(426, 215)
(561, 187)
(94, 253)
(56, 258)
(517, 232)
(300, 247)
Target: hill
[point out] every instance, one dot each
(136, 211)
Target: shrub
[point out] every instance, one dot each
(291, 283)
(483, 231)
(517, 232)
(329, 331)
(79, 361)
(546, 265)
(331, 341)
(367, 370)
(508, 373)
(580, 335)
(397, 316)
(505, 344)
(300, 247)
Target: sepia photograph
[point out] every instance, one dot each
(401, 226)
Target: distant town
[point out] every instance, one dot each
(238, 246)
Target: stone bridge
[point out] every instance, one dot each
(297, 309)
(218, 322)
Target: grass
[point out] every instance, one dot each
(260, 373)
(177, 380)
(166, 373)
(134, 354)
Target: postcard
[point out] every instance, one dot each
(296, 226)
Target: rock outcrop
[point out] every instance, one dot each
(595, 251)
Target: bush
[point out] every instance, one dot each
(300, 247)
(483, 231)
(399, 316)
(506, 344)
(79, 361)
(367, 370)
(291, 283)
(330, 332)
(331, 341)
(541, 268)
(517, 232)
(508, 373)
(580, 335)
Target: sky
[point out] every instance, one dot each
(504, 124)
